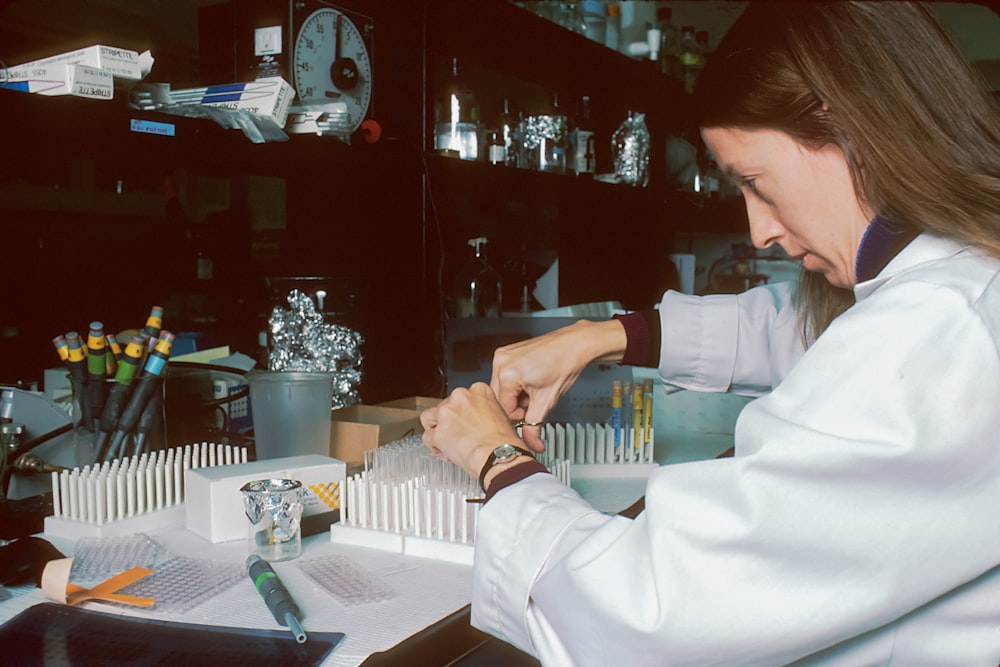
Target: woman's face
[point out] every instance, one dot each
(800, 198)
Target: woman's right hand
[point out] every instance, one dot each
(530, 376)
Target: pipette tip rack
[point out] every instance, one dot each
(130, 494)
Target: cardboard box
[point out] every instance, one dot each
(62, 79)
(358, 428)
(213, 503)
(121, 63)
(268, 97)
(418, 403)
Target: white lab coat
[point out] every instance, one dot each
(858, 523)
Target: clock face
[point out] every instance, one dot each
(331, 63)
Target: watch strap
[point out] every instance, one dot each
(492, 460)
(513, 475)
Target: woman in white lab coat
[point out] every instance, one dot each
(857, 523)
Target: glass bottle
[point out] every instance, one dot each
(613, 27)
(594, 18)
(478, 288)
(456, 119)
(701, 43)
(546, 138)
(581, 141)
(670, 42)
(510, 130)
(691, 58)
(496, 153)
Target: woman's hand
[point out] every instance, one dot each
(529, 377)
(467, 426)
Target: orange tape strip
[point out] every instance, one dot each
(106, 590)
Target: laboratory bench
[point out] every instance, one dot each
(425, 620)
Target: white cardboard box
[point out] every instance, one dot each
(63, 79)
(268, 97)
(122, 63)
(214, 505)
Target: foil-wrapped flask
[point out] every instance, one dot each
(630, 148)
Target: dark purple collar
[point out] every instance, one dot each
(882, 241)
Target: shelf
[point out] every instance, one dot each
(502, 37)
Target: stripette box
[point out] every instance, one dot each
(213, 503)
(63, 79)
(122, 63)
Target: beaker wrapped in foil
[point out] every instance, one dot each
(630, 150)
(544, 142)
(301, 339)
(274, 508)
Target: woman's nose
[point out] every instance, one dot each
(765, 230)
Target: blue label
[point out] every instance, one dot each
(152, 127)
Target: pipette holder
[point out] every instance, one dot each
(407, 501)
(130, 494)
(411, 516)
(593, 452)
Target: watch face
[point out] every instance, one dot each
(504, 452)
(331, 63)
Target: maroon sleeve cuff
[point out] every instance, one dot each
(513, 475)
(642, 333)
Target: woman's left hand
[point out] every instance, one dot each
(467, 426)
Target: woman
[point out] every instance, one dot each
(855, 523)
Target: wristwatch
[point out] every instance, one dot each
(502, 454)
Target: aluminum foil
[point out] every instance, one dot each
(630, 150)
(536, 128)
(302, 340)
(274, 508)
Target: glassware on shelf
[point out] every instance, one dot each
(545, 140)
(670, 42)
(630, 148)
(510, 130)
(478, 287)
(456, 119)
(691, 58)
(581, 141)
(594, 20)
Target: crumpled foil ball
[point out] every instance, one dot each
(630, 148)
(302, 340)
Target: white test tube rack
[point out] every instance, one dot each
(130, 494)
(593, 452)
(415, 516)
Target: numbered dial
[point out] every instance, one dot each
(332, 63)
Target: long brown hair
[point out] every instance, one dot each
(885, 83)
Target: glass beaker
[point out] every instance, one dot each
(545, 140)
(274, 508)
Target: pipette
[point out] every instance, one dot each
(276, 596)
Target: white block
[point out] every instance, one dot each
(214, 504)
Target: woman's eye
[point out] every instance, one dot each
(751, 184)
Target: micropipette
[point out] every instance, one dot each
(276, 596)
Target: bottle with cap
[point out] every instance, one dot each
(478, 287)
(456, 118)
(691, 58)
(670, 42)
(594, 20)
(581, 140)
(613, 26)
(510, 131)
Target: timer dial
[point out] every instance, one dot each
(331, 63)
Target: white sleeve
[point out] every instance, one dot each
(865, 489)
(743, 343)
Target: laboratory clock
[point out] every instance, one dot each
(331, 58)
